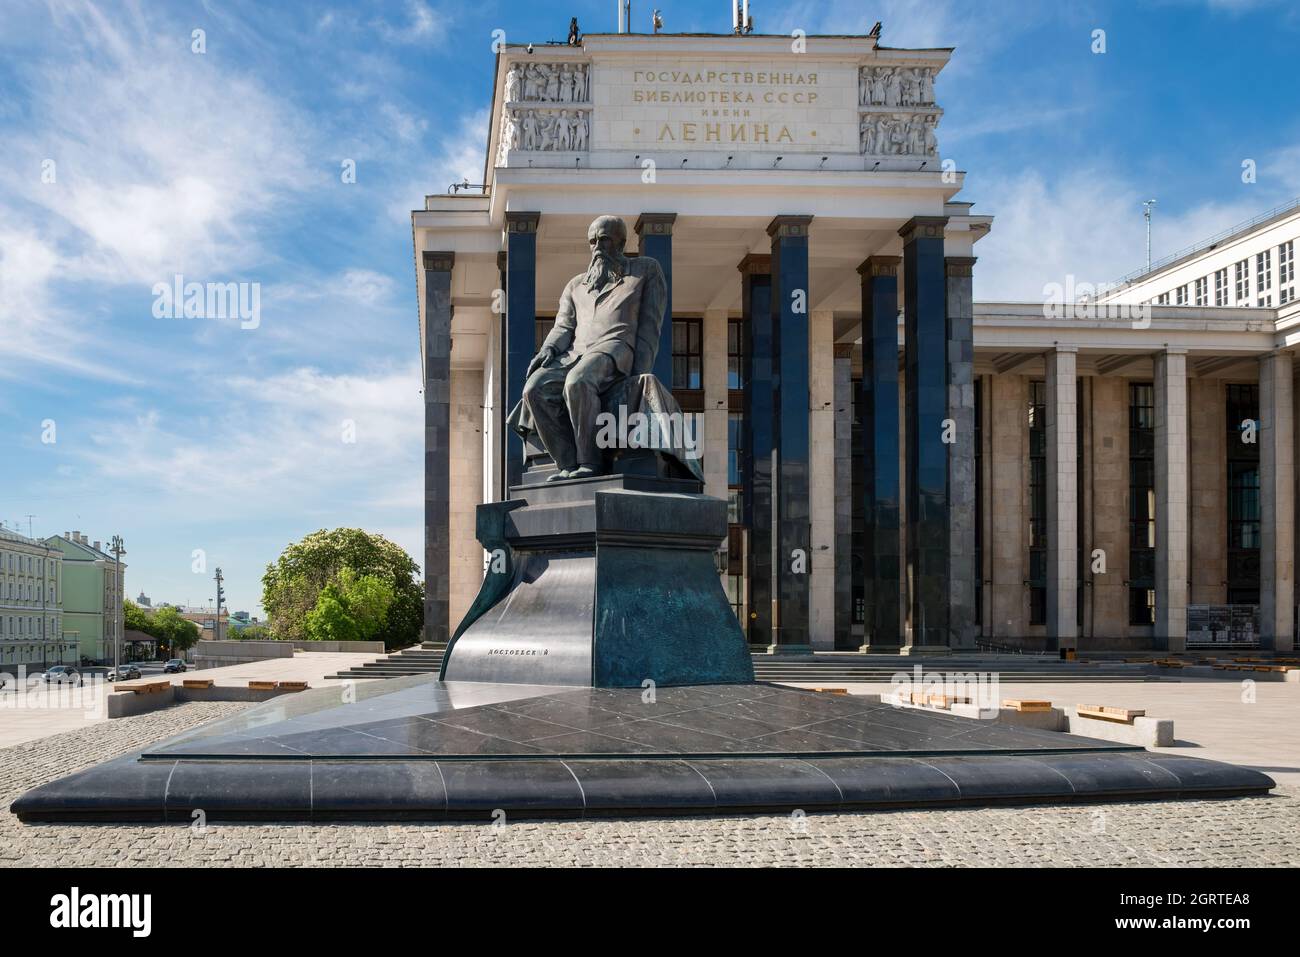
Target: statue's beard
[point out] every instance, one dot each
(605, 268)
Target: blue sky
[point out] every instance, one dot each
(225, 166)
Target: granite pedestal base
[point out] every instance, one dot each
(606, 582)
(422, 749)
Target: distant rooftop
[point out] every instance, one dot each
(1231, 233)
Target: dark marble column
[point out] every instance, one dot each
(791, 518)
(925, 351)
(843, 496)
(962, 626)
(503, 398)
(756, 304)
(521, 322)
(882, 562)
(656, 234)
(437, 443)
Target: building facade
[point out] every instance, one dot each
(31, 604)
(92, 597)
(1111, 475)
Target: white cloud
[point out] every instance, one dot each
(461, 159)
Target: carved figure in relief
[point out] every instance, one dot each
(580, 131)
(552, 82)
(567, 79)
(512, 83)
(532, 133)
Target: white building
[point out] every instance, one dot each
(1100, 489)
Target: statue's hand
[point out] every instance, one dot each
(542, 358)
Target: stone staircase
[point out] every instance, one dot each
(836, 667)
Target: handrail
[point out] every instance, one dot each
(1207, 243)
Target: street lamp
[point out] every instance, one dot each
(118, 552)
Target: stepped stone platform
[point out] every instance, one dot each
(417, 748)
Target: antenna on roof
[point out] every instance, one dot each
(875, 31)
(1146, 212)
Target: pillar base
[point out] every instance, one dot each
(879, 649)
(925, 650)
(789, 649)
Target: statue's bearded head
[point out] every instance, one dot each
(607, 236)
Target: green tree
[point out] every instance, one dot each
(351, 608)
(293, 585)
(251, 633)
(174, 633)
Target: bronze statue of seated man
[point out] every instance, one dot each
(606, 330)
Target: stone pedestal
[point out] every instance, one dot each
(603, 582)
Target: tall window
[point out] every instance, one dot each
(1263, 271)
(735, 353)
(1142, 503)
(1202, 297)
(1286, 272)
(1242, 272)
(688, 356)
(1221, 286)
(1243, 493)
(1037, 502)
(1162, 299)
(1180, 296)
(541, 329)
(735, 467)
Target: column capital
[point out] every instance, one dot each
(959, 266)
(522, 222)
(879, 266)
(1170, 351)
(438, 261)
(1057, 347)
(923, 227)
(655, 224)
(784, 227)
(756, 264)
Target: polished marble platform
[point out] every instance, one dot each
(422, 749)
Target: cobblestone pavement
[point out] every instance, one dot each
(1243, 832)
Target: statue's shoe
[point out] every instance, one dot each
(559, 474)
(583, 471)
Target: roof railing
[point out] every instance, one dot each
(1208, 243)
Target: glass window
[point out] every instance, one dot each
(1142, 503)
(735, 354)
(1037, 502)
(1263, 270)
(1202, 297)
(1221, 287)
(688, 361)
(1242, 271)
(1180, 296)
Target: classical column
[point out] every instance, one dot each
(929, 437)
(502, 383)
(1171, 499)
(437, 443)
(821, 478)
(756, 301)
(716, 402)
(962, 626)
(1276, 502)
(1062, 498)
(882, 557)
(843, 495)
(791, 531)
(656, 233)
(521, 323)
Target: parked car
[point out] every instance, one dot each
(63, 674)
(173, 666)
(124, 673)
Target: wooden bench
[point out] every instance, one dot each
(1024, 706)
(197, 684)
(822, 690)
(1121, 715)
(147, 688)
(262, 685)
(946, 701)
(302, 686)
